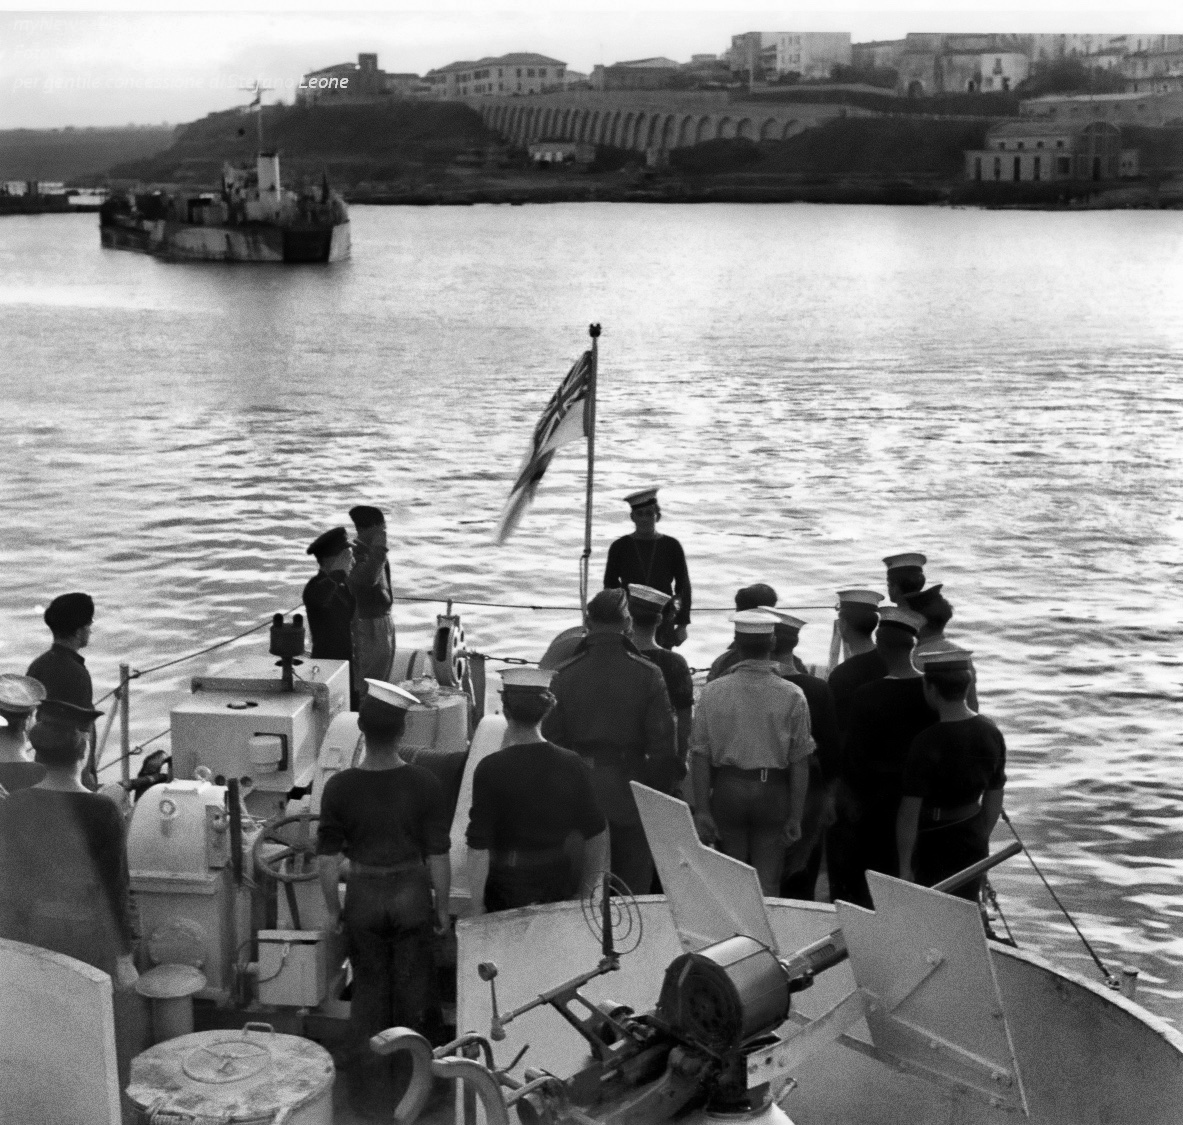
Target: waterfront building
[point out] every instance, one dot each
(879, 54)
(1029, 151)
(936, 63)
(1128, 108)
(635, 74)
(769, 54)
(520, 72)
(561, 152)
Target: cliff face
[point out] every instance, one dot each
(383, 141)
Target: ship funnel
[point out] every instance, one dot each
(268, 169)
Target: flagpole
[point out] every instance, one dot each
(593, 331)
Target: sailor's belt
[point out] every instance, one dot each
(763, 775)
(935, 817)
(527, 857)
(356, 868)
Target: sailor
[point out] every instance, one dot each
(327, 599)
(390, 820)
(62, 668)
(19, 698)
(612, 708)
(645, 606)
(884, 717)
(528, 799)
(64, 881)
(652, 559)
(953, 780)
(747, 597)
(804, 858)
(749, 755)
(905, 575)
(369, 583)
(858, 616)
(934, 607)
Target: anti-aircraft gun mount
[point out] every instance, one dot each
(722, 1041)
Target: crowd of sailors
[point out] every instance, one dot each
(884, 764)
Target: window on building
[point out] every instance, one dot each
(519, 73)
(977, 167)
(1002, 145)
(499, 74)
(1035, 169)
(1059, 144)
(530, 72)
(542, 72)
(998, 167)
(1039, 144)
(1064, 165)
(1019, 145)
(1018, 173)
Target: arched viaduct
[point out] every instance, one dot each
(646, 120)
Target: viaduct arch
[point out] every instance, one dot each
(644, 120)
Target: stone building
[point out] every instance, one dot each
(1019, 151)
(768, 54)
(635, 74)
(1157, 71)
(520, 72)
(362, 81)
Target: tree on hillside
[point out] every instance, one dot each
(1071, 76)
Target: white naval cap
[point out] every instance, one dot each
(755, 621)
(897, 562)
(391, 695)
(537, 679)
(784, 617)
(901, 618)
(946, 660)
(642, 496)
(859, 596)
(655, 598)
(20, 694)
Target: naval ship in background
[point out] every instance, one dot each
(252, 219)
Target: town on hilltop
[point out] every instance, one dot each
(997, 119)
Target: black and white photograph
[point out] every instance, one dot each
(586, 565)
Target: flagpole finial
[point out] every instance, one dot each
(593, 330)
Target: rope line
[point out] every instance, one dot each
(575, 608)
(137, 673)
(1110, 978)
(135, 751)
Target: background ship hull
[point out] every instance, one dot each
(246, 243)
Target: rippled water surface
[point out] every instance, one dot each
(813, 386)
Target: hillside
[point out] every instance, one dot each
(351, 143)
(76, 155)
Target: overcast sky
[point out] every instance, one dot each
(105, 67)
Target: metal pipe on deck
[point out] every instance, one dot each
(125, 721)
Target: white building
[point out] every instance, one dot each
(521, 72)
(811, 54)
(1002, 71)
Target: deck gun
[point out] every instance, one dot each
(722, 1039)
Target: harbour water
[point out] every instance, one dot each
(814, 387)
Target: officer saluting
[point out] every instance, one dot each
(369, 583)
(648, 558)
(327, 600)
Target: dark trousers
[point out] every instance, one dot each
(631, 859)
(510, 887)
(389, 938)
(944, 850)
(751, 816)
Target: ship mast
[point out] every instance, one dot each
(258, 89)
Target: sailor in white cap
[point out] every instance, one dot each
(804, 858)
(646, 605)
(390, 820)
(19, 698)
(883, 718)
(528, 799)
(649, 558)
(749, 755)
(905, 574)
(932, 605)
(854, 626)
(953, 780)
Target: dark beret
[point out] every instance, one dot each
(608, 607)
(928, 599)
(752, 597)
(364, 516)
(329, 544)
(68, 613)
